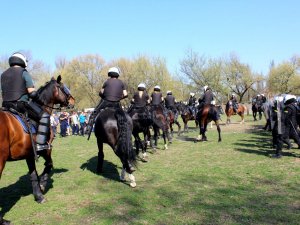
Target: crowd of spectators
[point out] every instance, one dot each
(69, 123)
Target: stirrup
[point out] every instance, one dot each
(40, 147)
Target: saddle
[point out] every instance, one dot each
(25, 121)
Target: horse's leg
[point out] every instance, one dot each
(204, 138)
(37, 192)
(48, 167)
(100, 156)
(130, 176)
(179, 128)
(243, 120)
(219, 130)
(165, 135)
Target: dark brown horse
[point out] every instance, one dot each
(230, 111)
(173, 119)
(16, 144)
(114, 127)
(186, 116)
(207, 114)
(160, 121)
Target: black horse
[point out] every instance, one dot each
(160, 121)
(114, 127)
(257, 108)
(142, 121)
(207, 114)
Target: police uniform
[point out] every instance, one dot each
(206, 99)
(291, 124)
(15, 83)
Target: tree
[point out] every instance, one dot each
(285, 77)
(239, 78)
(85, 75)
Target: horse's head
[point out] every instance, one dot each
(63, 94)
(55, 92)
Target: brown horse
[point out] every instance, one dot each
(173, 119)
(230, 111)
(17, 144)
(186, 116)
(204, 116)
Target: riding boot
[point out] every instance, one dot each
(43, 132)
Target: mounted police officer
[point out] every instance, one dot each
(291, 112)
(192, 104)
(17, 87)
(112, 92)
(206, 98)
(156, 97)
(170, 101)
(234, 102)
(140, 98)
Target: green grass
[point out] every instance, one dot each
(232, 182)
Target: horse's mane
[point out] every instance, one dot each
(44, 93)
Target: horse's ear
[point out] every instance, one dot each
(58, 79)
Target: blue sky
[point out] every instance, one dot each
(257, 31)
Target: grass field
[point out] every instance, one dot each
(232, 182)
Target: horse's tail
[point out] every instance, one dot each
(124, 145)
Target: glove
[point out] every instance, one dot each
(33, 95)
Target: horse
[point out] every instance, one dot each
(114, 127)
(173, 119)
(186, 116)
(141, 124)
(256, 108)
(16, 144)
(204, 116)
(160, 121)
(230, 112)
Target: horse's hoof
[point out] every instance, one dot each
(5, 222)
(132, 184)
(41, 200)
(144, 159)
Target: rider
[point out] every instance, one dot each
(17, 87)
(170, 101)
(259, 100)
(157, 99)
(140, 98)
(112, 92)
(192, 103)
(234, 102)
(206, 98)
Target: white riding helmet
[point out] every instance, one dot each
(157, 87)
(262, 94)
(232, 94)
(169, 92)
(114, 70)
(205, 87)
(258, 95)
(142, 85)
(18, 59)
(192, 94)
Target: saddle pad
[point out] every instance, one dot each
(25, 128)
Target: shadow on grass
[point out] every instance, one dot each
(260, 143)
(10, 195)
(110, 170)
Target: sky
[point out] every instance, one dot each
(257, 31)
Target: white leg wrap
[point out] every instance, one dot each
(166, 146)
(132, 180)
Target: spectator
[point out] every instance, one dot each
(82, 121)
(75, 123)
